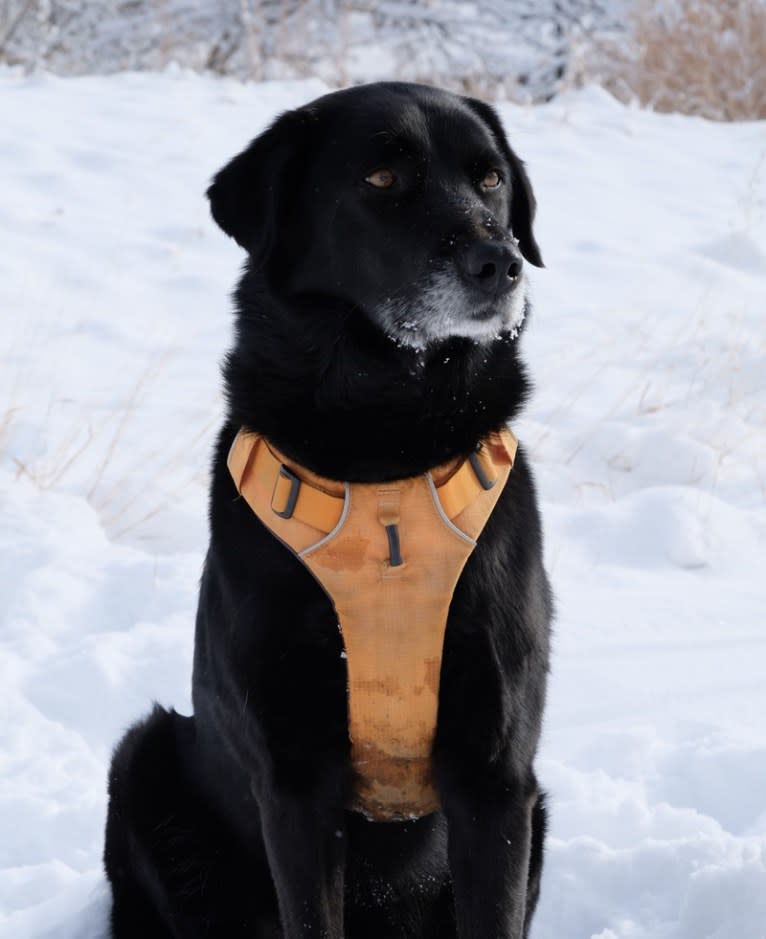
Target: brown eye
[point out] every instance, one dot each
(492, 180)
(381, 179)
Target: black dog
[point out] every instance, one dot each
(376, 325)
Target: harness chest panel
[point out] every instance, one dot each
(389, 556)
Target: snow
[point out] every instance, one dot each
(646, 433)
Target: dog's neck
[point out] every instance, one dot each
(342, 399)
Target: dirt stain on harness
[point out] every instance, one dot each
(389, 787)
(433, 669)
(343, 554)
(388, 686)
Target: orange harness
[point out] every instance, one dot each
(388, 555)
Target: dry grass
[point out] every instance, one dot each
(703, 57)
(102, 459)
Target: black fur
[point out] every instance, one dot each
(232, 822)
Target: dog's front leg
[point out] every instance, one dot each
(305, 840)
(489, 834)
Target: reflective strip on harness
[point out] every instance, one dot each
(389, 556)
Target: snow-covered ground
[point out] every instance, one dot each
(647, 432)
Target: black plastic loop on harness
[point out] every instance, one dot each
(476, 466)
(394, 549)
(295, 486)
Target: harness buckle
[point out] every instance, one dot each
(481, 474)
(292, 498)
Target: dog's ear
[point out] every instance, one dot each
(522, 198)
(245, 195)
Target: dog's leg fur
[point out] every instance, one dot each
(175, 868)
(490, 832)
(276, 736)
(304, 834)
(485, 748)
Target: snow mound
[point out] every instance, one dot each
(739, 251)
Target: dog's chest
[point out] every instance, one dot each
(389, 556)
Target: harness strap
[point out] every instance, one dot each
(292, 496)
(296, 496)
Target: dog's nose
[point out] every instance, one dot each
(493, 266)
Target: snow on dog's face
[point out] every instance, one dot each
(402, 201)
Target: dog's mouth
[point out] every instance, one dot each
(484, 314)
(443, 306)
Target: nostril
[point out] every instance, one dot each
(488, 270)
(514, 268)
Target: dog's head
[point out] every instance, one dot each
(403, 202)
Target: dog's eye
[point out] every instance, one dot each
(492, 180)
(381, 179)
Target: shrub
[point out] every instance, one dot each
(704, 57)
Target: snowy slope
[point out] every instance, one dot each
(646, 431)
